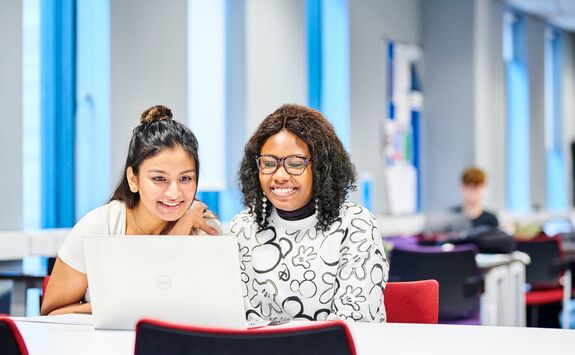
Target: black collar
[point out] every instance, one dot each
(300, 213)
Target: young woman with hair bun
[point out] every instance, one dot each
(156, 195)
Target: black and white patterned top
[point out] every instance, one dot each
(293, 271)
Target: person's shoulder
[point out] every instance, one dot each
(244, 223)
(350, 211)
(242, 218)
(103, 216)
(110, 210)
(487, 216)
(354, 209)
(103, 210)
(490, 215)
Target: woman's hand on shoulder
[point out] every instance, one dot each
(193, 218)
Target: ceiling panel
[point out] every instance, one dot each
(561, 13)
(568, 6)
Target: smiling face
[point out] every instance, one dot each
(167, 186)
(287, 192)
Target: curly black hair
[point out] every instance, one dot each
(333, 172)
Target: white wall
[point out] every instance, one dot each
(464, 85)
(490, 122)
(448, 120)
(371, 23)
(11, 103)
(236, 131)
(148, 66)
(276, 57)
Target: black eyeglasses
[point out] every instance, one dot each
(293, 164)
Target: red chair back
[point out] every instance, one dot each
(11, 341)
(45, 284)
(412, 301)
(162, 338)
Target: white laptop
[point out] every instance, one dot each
(193, 280)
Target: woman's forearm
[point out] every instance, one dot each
(83, 308)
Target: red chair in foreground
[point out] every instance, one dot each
(159, 338)
(11, 341)
(412, 301)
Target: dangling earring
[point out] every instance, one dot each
(317, 206)
(264, 204)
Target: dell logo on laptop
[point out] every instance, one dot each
(163, 282)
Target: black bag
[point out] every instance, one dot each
(490, 240)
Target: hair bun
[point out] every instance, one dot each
(156, 113)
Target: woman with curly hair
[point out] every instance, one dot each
(305, 252)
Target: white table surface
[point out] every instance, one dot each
(47, 338)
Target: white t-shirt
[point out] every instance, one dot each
(109, 219)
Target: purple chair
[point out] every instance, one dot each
(460, 280)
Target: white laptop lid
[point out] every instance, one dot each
(194, 280)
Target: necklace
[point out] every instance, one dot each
(135, 223)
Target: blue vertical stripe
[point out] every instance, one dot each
(518, 130)
(556, 181)
(519, 195)
(31, 150)
(93, 110)
(391, 107)
(57, 111)
(335, 67)
(328, 62)
(314, 52)
(415, 117)
(415, 133)
(235, 23)
(367, 193)
(556, 168)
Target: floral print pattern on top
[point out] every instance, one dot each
(290, 270)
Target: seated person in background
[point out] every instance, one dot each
(154, 196)
(469, 223)
(473, 186)
(306, 253)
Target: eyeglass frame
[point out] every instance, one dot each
(281, 162)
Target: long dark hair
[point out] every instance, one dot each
(157, 131)
(333, 171)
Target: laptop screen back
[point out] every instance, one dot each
(179, 279)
